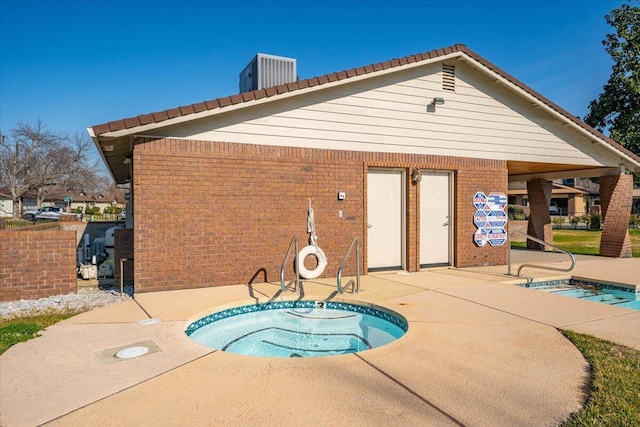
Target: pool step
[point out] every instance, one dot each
(602, 296)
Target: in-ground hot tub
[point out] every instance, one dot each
(298, 329)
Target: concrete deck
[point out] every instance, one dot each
(479, 351)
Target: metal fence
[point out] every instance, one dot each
(15, 223)
(103, 218)
(19, 223)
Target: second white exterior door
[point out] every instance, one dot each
(435, 218)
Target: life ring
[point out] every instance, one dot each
(320, 256)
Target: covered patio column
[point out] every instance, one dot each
(539, 193)
(616, 197)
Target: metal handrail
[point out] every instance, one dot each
(294, 243)
(542, 242)
(356, 290)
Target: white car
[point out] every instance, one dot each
(554, 209)
(45, 212)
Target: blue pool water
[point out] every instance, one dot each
(297, 329)
(605, 294)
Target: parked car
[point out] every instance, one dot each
(49, 212)
(45, 212)
(554, 209)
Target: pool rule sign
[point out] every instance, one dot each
(490, 218)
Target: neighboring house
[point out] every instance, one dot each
(6, 205)
(71, 200)
(570, 200)
(391, 153)
(82, 199)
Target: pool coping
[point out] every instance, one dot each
(394, 317)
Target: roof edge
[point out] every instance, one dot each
(549, 103)
(226, 101)
(197, 110)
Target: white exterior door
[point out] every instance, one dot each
(385, 219)
(435, 218)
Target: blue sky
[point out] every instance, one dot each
(78, 63)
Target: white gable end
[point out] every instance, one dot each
(390, 113)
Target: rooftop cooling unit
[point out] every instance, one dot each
(267, 71)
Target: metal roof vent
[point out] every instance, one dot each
(267, 71)
(449, 77)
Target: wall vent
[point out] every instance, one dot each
(267, 71)
(449, 77)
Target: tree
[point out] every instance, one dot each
(66, 168)
(618, 107)
(34, 158)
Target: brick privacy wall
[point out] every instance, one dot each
(210, 214)
(68, 218)
(616, 197)
(37, 263)
(539, 193)
(123, 248)
(469, 181)
(518, 225)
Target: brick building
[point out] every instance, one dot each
(391, 153)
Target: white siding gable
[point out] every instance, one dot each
(481, 119)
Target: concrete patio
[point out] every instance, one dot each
(479, 351)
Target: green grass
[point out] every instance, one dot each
(614, 399)
(585, 242)
(25, 328)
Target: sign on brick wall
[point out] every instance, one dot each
(490, 218)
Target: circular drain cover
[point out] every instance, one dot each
(131, 352)
(148, 321)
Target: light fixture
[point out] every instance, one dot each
(437, 101)
(416, 175)
(126, 160)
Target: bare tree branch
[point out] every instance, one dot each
(33, 157)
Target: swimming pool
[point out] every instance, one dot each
(591, 291)
(298, 329)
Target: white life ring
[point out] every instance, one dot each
(320, 256)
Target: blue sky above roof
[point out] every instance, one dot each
(78, 63)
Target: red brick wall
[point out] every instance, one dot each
(518, 225)
(211, 214)
(123, 244)
(539, 226)
(485, 176)
(616, 196)
(37, 263)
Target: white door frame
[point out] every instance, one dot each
(450, 209)
(403, 215)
